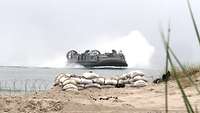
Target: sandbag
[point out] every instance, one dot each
(110, 82)
(80, 86)
(68, 74)
(138, 77)
(57, 75)
(126, 81)
(90, 75)
(124, 76)
(120, 82)
(74, 76)
(85, 81)
(93, 85)
(123, 82)
(132, 80)
(56, 82)
(140, 83)
(62, 79)
(70, 86)
(78, 80)
(57, 79)
(69, 81)
(132, 74)
(100, 81)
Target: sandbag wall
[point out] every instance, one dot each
(89, 79)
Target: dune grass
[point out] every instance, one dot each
(186, 73)
(191, 70)
(184, 70)
(176, 76)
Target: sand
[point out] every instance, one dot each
(149, 99)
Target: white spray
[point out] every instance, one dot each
(137, 50)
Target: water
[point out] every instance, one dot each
(35, 78)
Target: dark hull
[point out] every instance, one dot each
(116, 63)
(95, 58)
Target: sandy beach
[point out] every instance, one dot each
(148, 99)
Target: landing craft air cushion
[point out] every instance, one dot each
(94, 58)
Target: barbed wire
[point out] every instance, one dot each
(26, 85)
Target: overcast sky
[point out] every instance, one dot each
(40, 32)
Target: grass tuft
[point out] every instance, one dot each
(191, 70)
(176, 76)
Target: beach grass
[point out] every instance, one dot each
(186, 101)
(185, 75)
(191, 70)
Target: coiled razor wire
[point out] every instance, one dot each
(27, 85)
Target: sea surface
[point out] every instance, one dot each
(37, 78)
